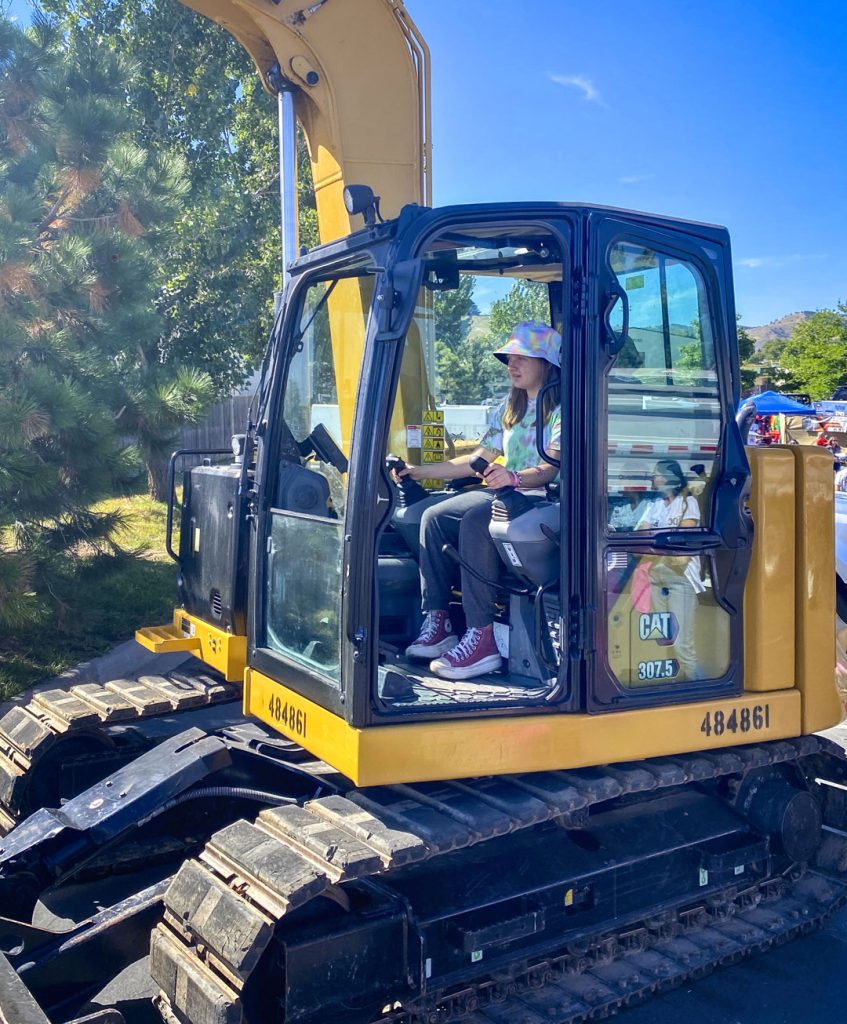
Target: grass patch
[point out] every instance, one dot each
(109, 599)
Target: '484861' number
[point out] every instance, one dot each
(742, 720)
(286, 714)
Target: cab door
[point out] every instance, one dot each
(301, 559)
(669, 474)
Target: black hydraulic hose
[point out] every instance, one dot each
(239, 792)
(209, 792)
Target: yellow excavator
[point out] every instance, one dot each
(638, 796)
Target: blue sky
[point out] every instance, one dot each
(728, 112)
(732, 113)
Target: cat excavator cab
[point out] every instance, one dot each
(637, 797)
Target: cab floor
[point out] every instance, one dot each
(405, 683)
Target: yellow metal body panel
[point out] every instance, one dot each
(367, 117)
(815, 587)
(769, 596)
(468, 747)
(220, 650)
(627, 648)
(166, 639)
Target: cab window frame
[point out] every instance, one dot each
(564, 228)
(606, 694)
(358, 261)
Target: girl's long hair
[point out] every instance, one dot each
(671, 470)
(516, 403)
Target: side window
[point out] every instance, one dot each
(664, 425)
(664, 416)
(304, 553)
(321, 391)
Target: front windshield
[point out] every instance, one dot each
(455, 400)
(323, 375)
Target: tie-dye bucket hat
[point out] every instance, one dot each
(533, 339)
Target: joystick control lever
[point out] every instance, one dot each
(509, 503)
(410, 490)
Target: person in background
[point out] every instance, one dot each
(840, 476)
(675, 579)
(627, 514)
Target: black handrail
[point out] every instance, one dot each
(540, 424)
(172, 490)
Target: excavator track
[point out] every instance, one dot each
(621, 970)
(58, 725)
(224, 909)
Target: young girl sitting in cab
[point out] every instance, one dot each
(533, 356)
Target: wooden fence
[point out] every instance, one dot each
(224, 419)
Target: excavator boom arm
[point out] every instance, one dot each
(361, 81)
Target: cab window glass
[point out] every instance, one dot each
(304, 551)
(478, 284)
(662, 387)
(321, 386)
(664, 423)
(665, 626)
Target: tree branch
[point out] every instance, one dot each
(51, 215)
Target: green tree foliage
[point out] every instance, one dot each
(470, 375)
(83, 214)
(746, 352)
(526, 300)
(691, 356)
(816, 354)
(746, 344)
(766, 364)
(467, 373)
(453, 310)
(194, 93)
(770, 354)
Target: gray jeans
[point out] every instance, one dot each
(463, 522)
(672, 592)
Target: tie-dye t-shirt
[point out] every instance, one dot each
(517, 444)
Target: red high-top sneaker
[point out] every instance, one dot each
(474, 655)
(435, 638)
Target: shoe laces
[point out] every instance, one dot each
(468, 644)
(430, 627)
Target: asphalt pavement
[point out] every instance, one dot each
(801, 982)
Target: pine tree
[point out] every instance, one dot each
(195, 92)
(83, 212)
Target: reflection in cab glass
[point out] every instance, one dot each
(478, 623)
(305, 551)
(662, 448)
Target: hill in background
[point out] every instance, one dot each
(782, 328)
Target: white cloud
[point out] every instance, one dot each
(633, 179)
(754, 262)
(585, 85)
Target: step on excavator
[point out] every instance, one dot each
(638, 796)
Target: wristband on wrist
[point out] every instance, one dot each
(516, 479)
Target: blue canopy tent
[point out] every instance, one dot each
(770, 403)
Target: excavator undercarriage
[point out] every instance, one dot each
(391, 904)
